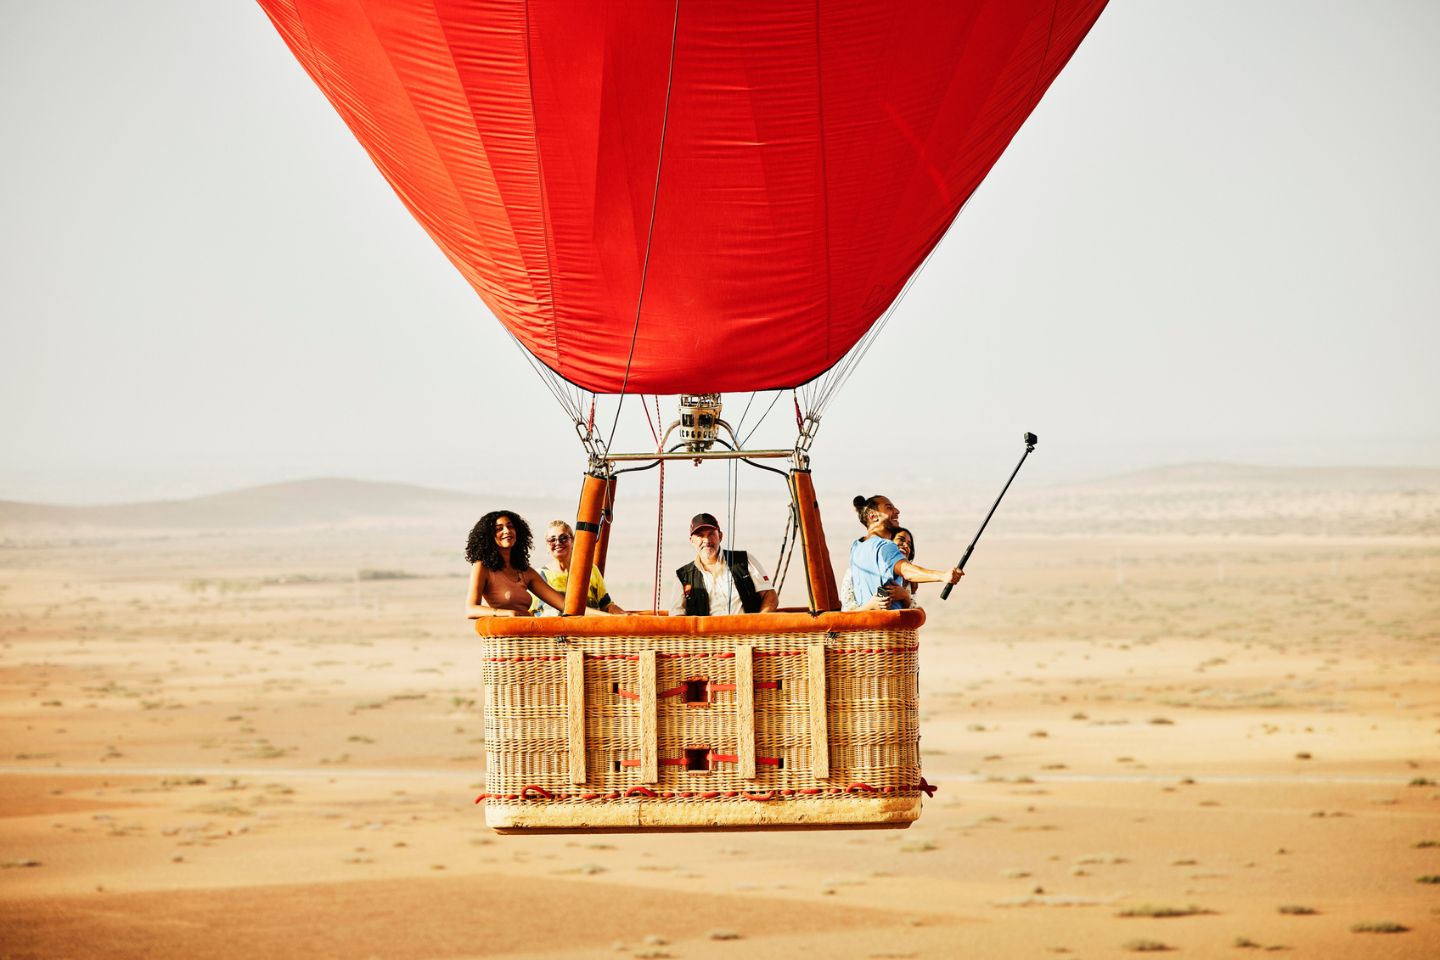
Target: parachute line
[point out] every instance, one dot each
(830, 383)
(550, 379)
(745, 441)
(650, 230)
(743, 414)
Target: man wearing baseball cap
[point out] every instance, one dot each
(719, 581)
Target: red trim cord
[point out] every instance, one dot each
(518, 659)
(733, 758)
(532, 792)
(717, 655)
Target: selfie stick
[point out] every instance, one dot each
(1030, 441)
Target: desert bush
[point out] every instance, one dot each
(1154, 910)
(1145, 946)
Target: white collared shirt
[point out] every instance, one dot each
(724, 598)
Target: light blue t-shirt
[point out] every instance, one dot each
(872, 563)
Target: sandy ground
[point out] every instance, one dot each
(258, 746)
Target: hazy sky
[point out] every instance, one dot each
(1217, 238)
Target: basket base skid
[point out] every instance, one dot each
(621, 816)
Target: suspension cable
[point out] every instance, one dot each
(660, 506)
(790, 538)
(745, 442)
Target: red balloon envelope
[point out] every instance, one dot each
(682, 196)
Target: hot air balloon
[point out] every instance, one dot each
(690, 198)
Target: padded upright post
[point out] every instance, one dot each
(819, 575)
(607, 520)
(587, 533)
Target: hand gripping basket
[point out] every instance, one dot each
(640, 722)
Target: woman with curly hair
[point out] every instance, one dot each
(501, 578)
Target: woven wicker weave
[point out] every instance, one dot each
(687, 768)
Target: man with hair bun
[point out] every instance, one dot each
(877, 566)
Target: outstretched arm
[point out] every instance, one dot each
(536, 584)
(918, 574)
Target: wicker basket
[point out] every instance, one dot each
(642, 722)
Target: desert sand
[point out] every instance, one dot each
(1192, 711)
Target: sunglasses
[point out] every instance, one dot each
(556, 541)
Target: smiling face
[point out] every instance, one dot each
(888, 509)
(560, 541)
(905, 543)
(881, 517)
(706, 542)
(505, 533)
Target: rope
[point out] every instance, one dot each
(550, 379)
(659, 510)
(746, 441)
(650, 231)
(789, 537)
(743, 414)
(859, 788)
(732, 510)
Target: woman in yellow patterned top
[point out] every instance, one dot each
(561, 539)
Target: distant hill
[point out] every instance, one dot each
(1233, 499)
(1187, 499)
(299, 503)
(1218, 475)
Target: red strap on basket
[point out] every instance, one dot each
(639, 792)
(926, 787)
(857, 786)
(525, 790)
(759, 797)
(732, 758)
(664, 762)
(712, 688)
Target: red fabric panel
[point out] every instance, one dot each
(813, 154)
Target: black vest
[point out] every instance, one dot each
(697, 598)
